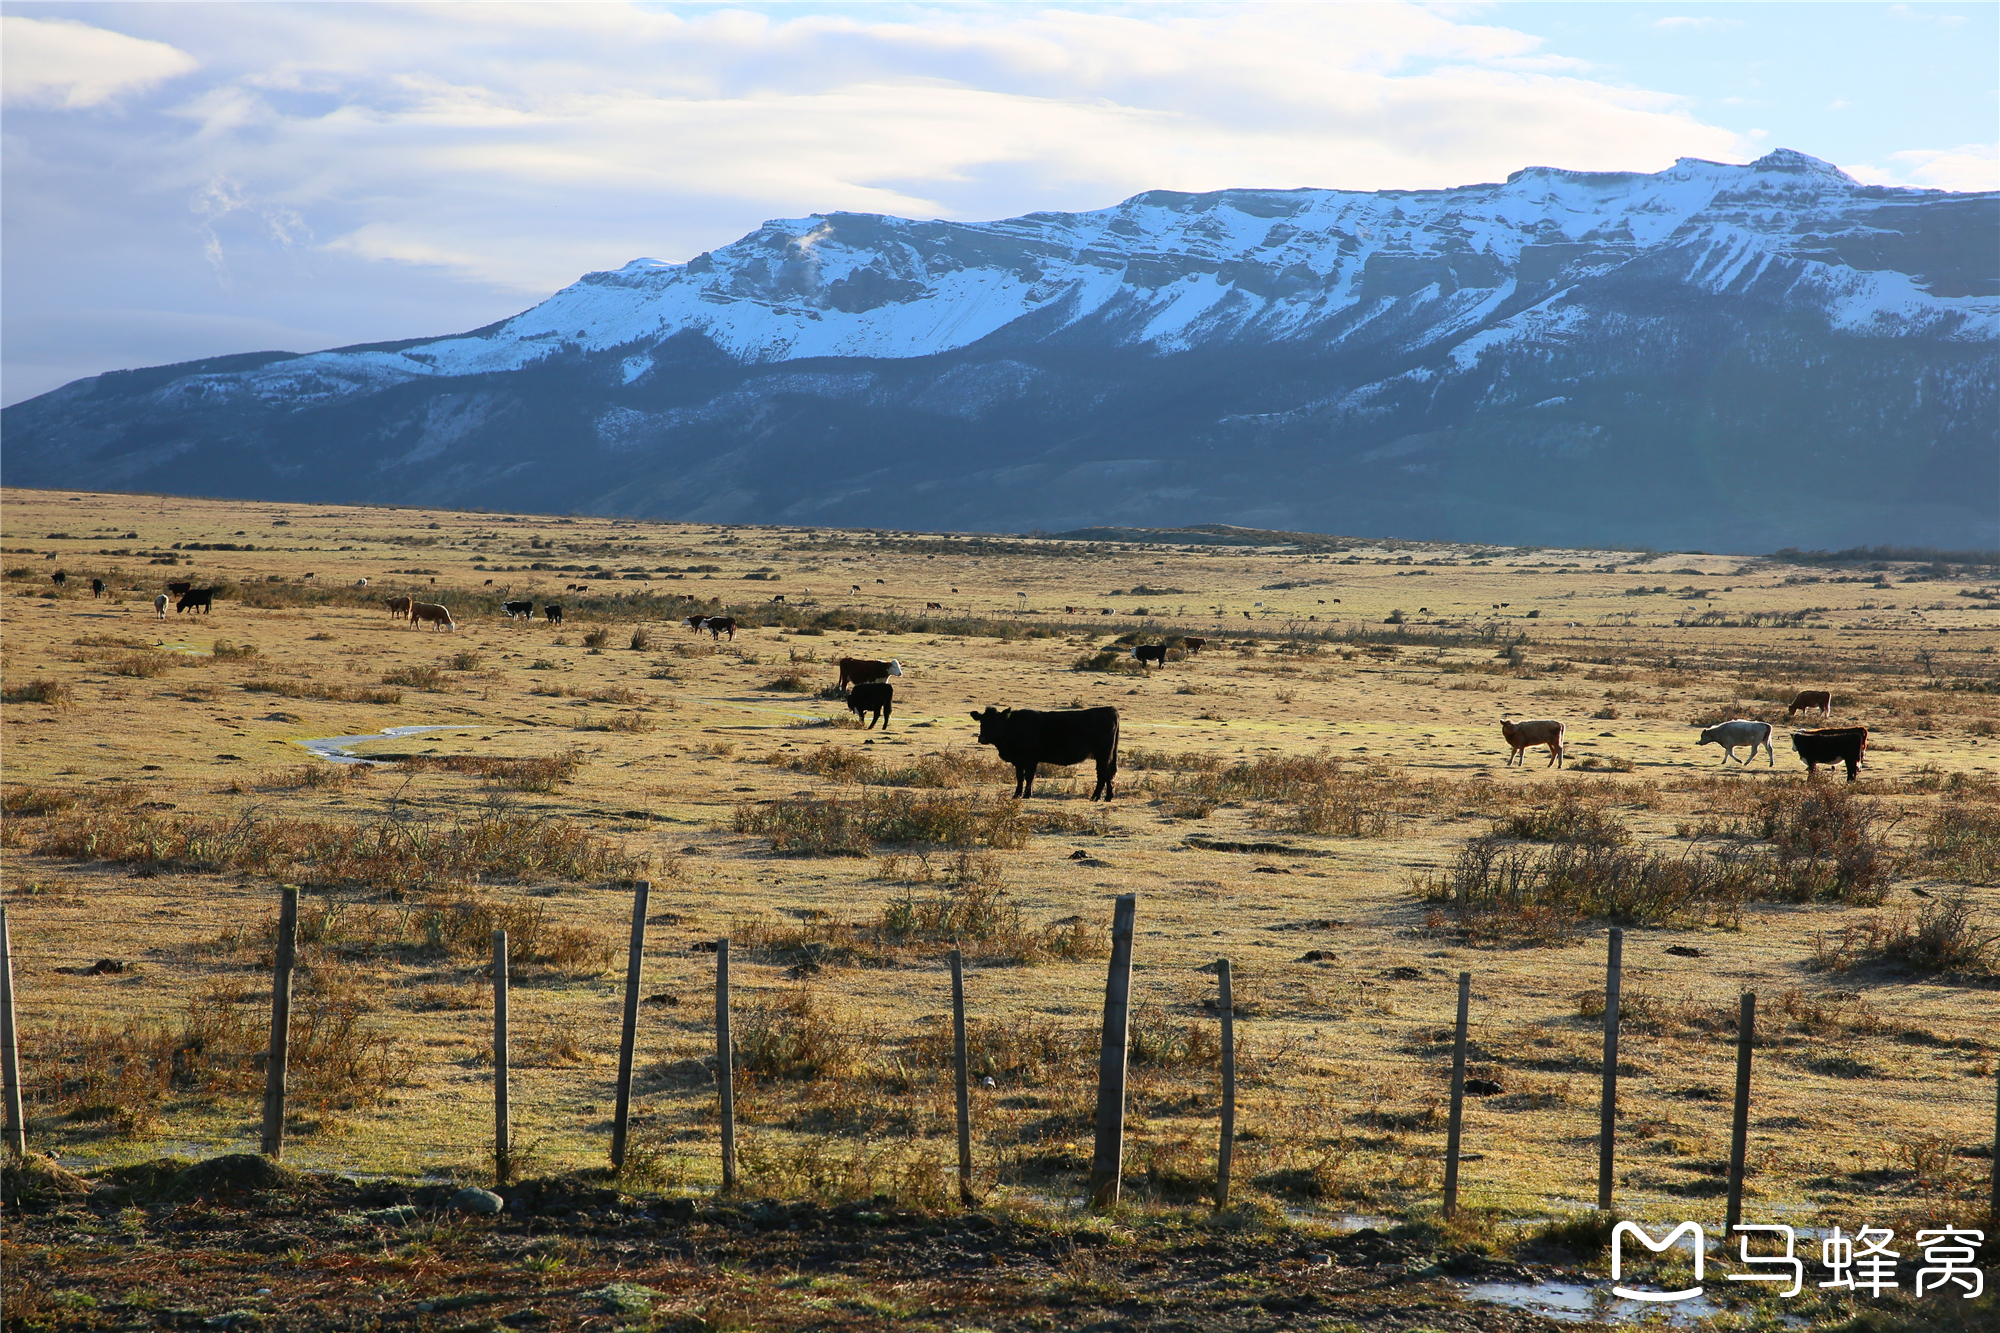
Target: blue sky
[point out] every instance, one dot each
(186, 180)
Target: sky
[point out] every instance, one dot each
(188, 180)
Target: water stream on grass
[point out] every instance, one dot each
(340, 749)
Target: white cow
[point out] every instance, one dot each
(1740, 731)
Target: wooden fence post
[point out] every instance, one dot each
(962, 1077)
(725, 1067)
(1108, 1162)
(10, 1050)
(1457, 1096)
(1607, 1115)
(1739, 1133)
(278, 1059)
(1226, 1149)
(629, 1039)
(1993, 1208)
(503, 1140)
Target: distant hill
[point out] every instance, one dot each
(1726, 357)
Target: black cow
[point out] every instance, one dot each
(514, 609)
(1027, 738)
(178, 588)
(1151, 652)
(1831, 745)
(96, 589)
(59, 578)
(553, 613)
(196, 599)
(878, 698)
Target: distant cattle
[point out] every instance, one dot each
(1831, 745)
(1523, 736)
(96, 589)
(59, 578)
(1028, 738)
(721, 625)
(515, 610)
(779, 598)
(430, 613)
(1812, 701)
(178, 587)
(933, 606)
(196, 599)
(160, 606)
(362, 583)
(1150, 652)
(552, 613)
(399, 607)
(862, 670)
(856, 587)
(877, 697)
(1742, 731)
(1194, 646)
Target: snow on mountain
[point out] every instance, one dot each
(1297, 358)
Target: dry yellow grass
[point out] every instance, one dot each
(1354, 768)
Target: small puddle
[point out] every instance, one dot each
(1581, 1303)
(340, 749)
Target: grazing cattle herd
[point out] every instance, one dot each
(1027, 738)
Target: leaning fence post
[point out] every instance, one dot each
(1607, 1115)
(1739, 1133)
(1993, 1210)
(1227, 1147)
(279, 1057)
(1457, 1096)
(622, 1115)
(503, 1151)
(725, 1067)
(961, 1075)
(1108, 1162)
(10, 1051)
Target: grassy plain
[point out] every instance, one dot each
(1294, 798)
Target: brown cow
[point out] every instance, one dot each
(1820, 701)
(862, 670)
(1194, 646)
(430, 613)
(399, 607)
(1522, 736)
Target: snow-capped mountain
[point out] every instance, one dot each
(1742, 356)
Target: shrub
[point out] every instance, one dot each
(816, 826)
(642, 639)
(224, 650)
(806, 826)
(540, 774)
(791, 682)
(463, 660)
(56, 693)
(418, 678)
(793, 1036)
(1961, 841)
(1826, 845)
(1547, 894)
(1571, 817)
(312, 689)
(597, 638)
(145, 666)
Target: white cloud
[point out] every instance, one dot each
(1694, 23)
(1968, 167)
(60, 62)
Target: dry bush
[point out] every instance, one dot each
(1114, 660)
(911, 1173)
(1574, 816)
(145, 666)
(1827, 846)
(976, 916)
(1944, 935)
(56, 693)
(123, 1074)
(1139, 759)
(536, 774)
(1547, 895)
(816, 826)
(464, 660)
(312, 689)
(318, 777)
(387, 854)
(597, 638)
(840, 763)
(1303, 794)
(1961, 841)
(29, 800)
(794, 1035)
(642, 639)
(945, 769)
(791, 682)
(224, 651)
(430, 678)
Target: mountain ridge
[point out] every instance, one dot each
(1562, 356)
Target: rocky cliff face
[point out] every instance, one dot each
(1719, 356)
